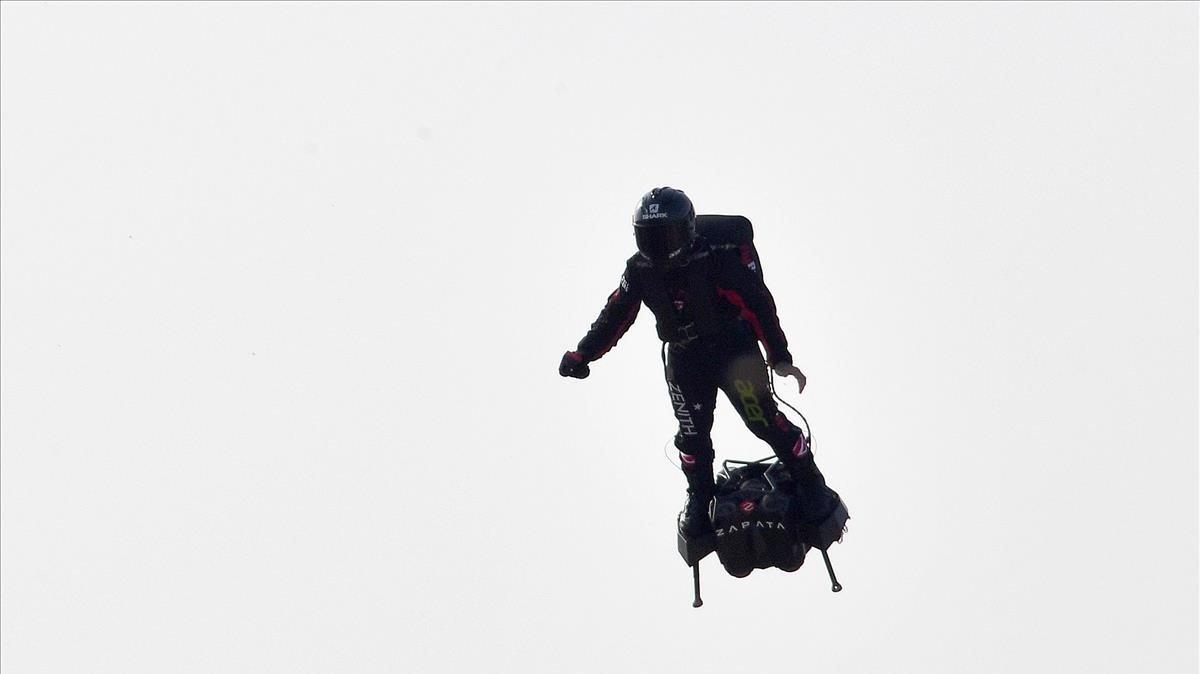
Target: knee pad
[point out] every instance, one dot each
(800, 447)
(784, 424)
(694, 451)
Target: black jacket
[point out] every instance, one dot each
(719, 287)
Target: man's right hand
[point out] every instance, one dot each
(572, 365)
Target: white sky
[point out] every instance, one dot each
(285, 287)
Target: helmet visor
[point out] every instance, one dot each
(659, 241)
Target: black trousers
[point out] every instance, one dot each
(733, 364)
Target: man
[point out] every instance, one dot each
(712, 309)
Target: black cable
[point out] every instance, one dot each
(775, 394)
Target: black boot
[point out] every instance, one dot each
(696, 519)
(821, 514)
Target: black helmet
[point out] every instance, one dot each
(664, 223)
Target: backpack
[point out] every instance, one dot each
(729, 232)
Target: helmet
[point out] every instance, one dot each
(664, 223)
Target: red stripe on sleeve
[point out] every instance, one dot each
(633, 312)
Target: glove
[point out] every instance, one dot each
(789, 370)
(572, 365)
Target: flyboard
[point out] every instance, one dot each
(758, 524)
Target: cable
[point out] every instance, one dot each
(668, 446)
(775, 394)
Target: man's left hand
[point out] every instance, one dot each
(789, 370)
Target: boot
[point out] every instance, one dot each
(695, 520)
(822, 515)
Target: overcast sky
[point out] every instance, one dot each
(285, 287)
